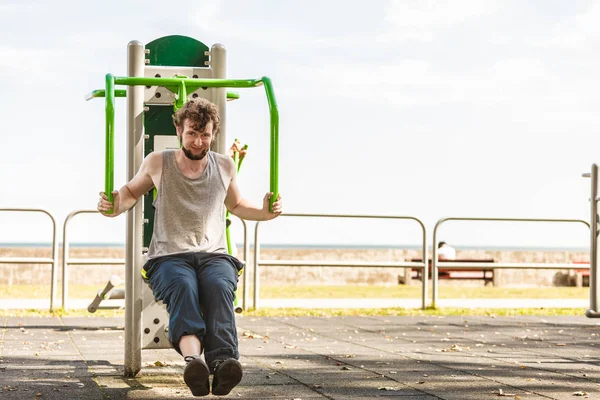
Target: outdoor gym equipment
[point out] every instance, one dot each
(162, 76)
(110, 292)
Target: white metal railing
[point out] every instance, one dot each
(66, 260)
(53, 261)
(475, 265)
(328, 263)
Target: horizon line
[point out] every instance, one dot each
(315, 246)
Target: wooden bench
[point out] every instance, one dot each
(582, 276)
(485, 274)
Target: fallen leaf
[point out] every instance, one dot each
(251, 335)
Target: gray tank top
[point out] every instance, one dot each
(189, 213)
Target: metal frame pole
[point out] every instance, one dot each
(247, 262)
(593, 312)
(434, 266)
(133, 255)
(256, 269)
(218, 64)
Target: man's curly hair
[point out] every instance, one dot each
(199, 112)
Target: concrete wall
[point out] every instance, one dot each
(40, 274)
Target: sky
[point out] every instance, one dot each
(429, 109)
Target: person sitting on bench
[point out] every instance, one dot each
(446, 252)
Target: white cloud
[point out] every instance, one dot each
(520, 70)
(574, 32)
(23, 61)
(526, 88)
(423, 19)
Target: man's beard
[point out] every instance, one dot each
(192, 156)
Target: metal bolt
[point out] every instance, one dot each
(147, 331)
(207, 63)
(146, 109)
(146, 61)
(156, 321)
(146, 219)
(146, 51)
(156, 340)
(207, 53)
(157, 95)
(146, 137)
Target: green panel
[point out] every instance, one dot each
(177, 51)
(157, 121)
(170, 51)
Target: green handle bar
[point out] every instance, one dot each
(177, 84)
(109, 173)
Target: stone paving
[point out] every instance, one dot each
(306, 358)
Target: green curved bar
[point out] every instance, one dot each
(274, 174)
(190, 85)
(110, 137)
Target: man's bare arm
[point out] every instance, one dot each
(125, 198)
(244, 209)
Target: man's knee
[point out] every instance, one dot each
(224, 286)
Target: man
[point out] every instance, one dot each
(188, 267)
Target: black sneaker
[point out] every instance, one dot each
(228, 374)
(196, 375)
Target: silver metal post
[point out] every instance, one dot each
(133, 254)
(218, 64)
(65, 268)
(434, 267)
(256, 268)
(425, 273)
(54, 263)
(246, 267)
(593, 310)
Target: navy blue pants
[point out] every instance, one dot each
(198, 290)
